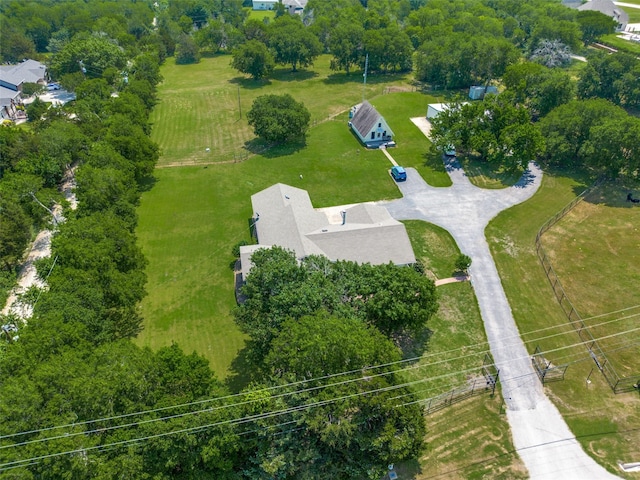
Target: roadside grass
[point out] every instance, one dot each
(590, 409)
(204, 105)
(470, 440)
(413, 148)
(634, 14)
(192, 217)
(620, 43)
(576, 254)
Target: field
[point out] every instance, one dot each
(576, 253)
(204, 105)
(605, 423)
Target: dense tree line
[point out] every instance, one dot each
(74, 362)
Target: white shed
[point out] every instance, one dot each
(434, 109)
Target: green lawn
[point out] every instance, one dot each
(413, 148)
(606, 424)
(204, 105)
(192, 217)
(261, 14)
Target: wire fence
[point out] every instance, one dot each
(618, 384)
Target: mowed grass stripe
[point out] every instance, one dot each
(198, 105)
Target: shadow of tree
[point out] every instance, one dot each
(243, 371)
(258, 146)
(413, 344)
(147, 183)
(433, 159)
(620, 194)
(356, 77)
(249, 83)
(288, 75)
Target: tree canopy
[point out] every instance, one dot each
(278, 118)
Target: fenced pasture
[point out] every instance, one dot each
(604, 422)
(595, 276)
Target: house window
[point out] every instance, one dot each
(384, 134)
(380, 125)
(378, 134)
(373, 135)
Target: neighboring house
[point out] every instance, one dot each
(295, 6)
(363, 233)
(610, 10)
(369, 126)
(12, 78)
(264, 4)
(29, 71)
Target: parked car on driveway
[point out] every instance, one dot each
(450, 151)
(398, 173)
(53, 86)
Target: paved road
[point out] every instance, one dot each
(546, 445)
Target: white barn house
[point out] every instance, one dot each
(369, 126)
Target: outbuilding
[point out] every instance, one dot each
(369, 126)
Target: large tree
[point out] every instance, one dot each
(91, 55)
(593, 135)
(393, 299)
(355, 437)
(346, 46)
(594, 24)
(253, 58)
(538, 87)
(278, 118)
(495, 129)
(614, 77)
(293, 43)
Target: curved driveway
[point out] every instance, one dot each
(546, 445)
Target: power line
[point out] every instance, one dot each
(211, 409)
(290, 409)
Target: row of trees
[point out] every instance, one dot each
(546, 115)
(74, 362)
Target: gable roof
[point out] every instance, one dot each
(365, 118)
(608, 8)
(29, 71)
(365, 234)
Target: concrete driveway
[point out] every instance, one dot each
(543, 440)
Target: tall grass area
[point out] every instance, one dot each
(204, 105)
(605, 423)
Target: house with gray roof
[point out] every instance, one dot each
(12, 78)
(362, 233)
(369, 126)
(29, 71)
(610, 9)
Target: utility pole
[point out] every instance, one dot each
(364, 85)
